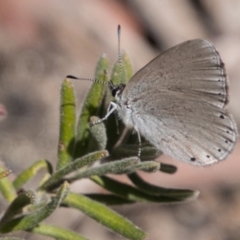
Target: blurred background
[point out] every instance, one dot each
(43, 41)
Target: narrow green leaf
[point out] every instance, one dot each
(168, 168)
(73, 166)
(148, 166)
(128, 65)
(180, 194)
(30, 172)
(66, 142)
(6, 187)
(124, 151)
(10, 238)
(114, 128)
(122, 72)
(119, 73)
(17, 205)
(31, 220)
(108, 199)
(148, 152)
(134, 194)
(98, 131)
(91, 107)
(113, 125)
(5, 173)
(105, 216)
(56, 232)
(116, 167)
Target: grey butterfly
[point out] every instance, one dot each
(178, 103)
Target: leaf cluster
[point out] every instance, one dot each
(88, 150)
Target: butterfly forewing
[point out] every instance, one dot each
(193, 67)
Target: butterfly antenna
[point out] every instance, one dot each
(109, 83)
(119, 51)
(89, 79)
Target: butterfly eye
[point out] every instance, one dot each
(115, 91)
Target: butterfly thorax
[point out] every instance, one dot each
(123, 108)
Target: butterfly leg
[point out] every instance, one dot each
(111, 108)
(139, 141)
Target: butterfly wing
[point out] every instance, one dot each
(192, 131)
(193, 67)
(178, 101)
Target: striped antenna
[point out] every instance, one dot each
(119, 51)
(89, 79)
(109, 83)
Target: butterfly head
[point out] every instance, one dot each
(116, 90)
